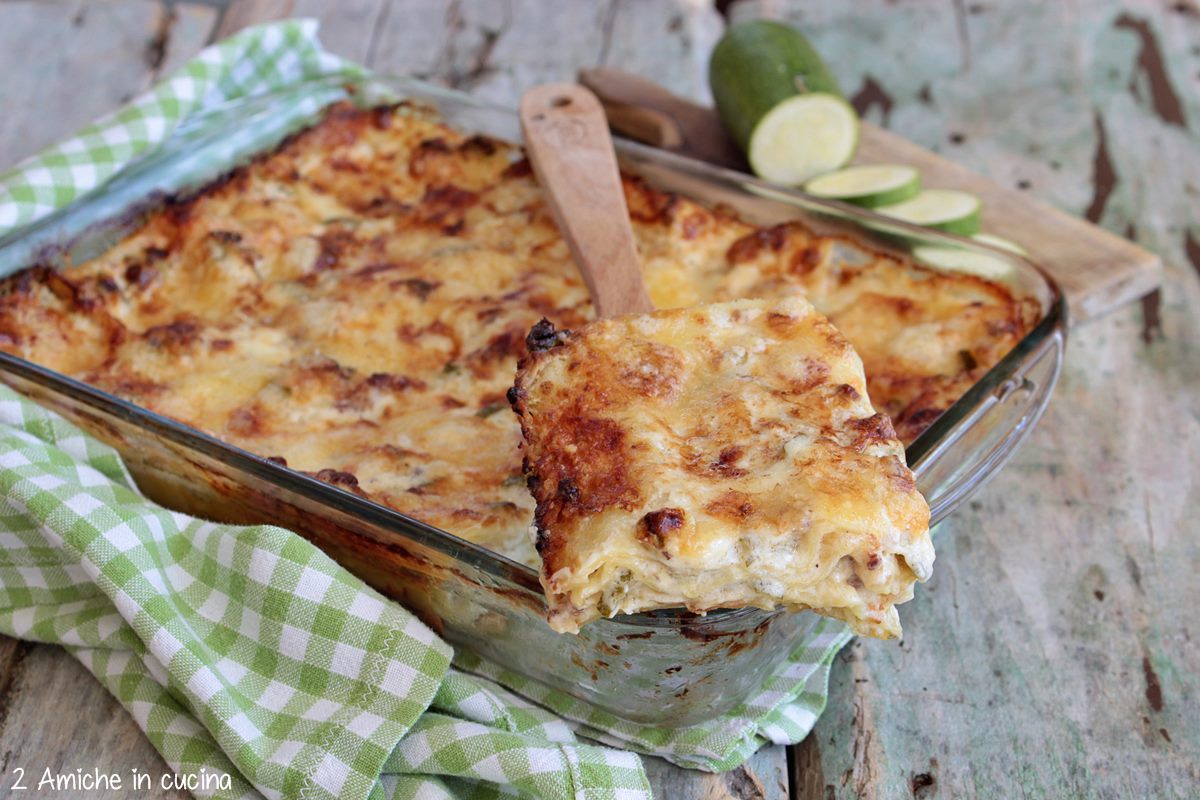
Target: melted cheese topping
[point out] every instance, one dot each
(356, 301)
(717, 457)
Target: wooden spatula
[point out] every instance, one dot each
(567, 138)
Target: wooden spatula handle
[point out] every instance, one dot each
(566, 135)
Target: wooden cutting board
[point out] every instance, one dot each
(1097, 270)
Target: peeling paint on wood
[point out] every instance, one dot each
(1152, 72)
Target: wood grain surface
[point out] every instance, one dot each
(1056, 651)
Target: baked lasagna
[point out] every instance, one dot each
(721, 456)
(354, 304)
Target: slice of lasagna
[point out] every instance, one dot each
(720, 456)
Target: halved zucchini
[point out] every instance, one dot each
(781, 103)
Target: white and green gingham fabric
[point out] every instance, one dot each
(257, 60)
(245, 651)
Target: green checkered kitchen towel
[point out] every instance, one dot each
(256, 665)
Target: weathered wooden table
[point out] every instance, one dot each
(1056, 652)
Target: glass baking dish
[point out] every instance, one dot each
(669, 668)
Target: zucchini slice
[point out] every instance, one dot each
(948, 210)
(869, 185)
(950, 259)
(1000, 243)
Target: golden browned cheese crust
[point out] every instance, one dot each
(716, 457)
(356, 301)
